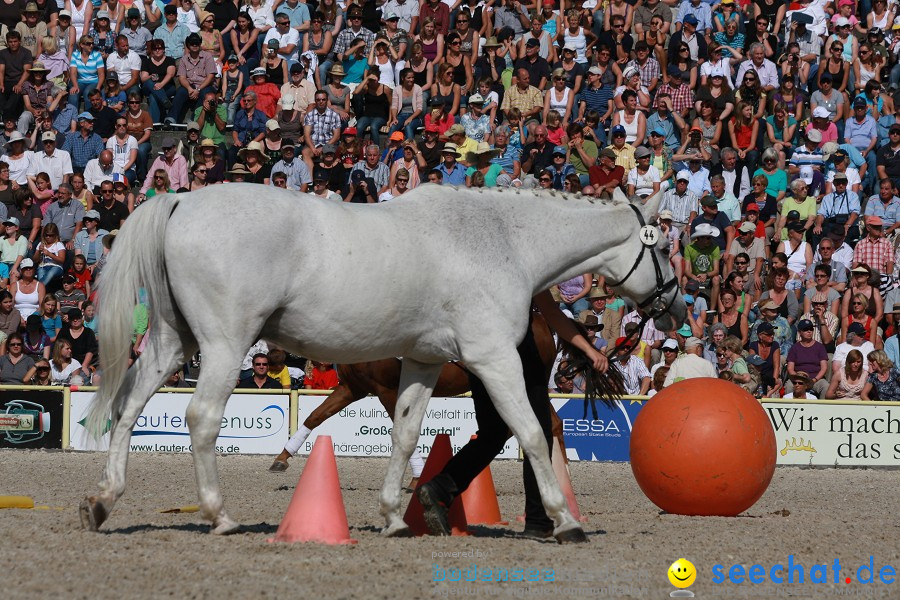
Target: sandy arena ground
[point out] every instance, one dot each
(816, 515)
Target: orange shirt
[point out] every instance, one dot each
(322, 380)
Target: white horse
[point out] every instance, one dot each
(441, 274)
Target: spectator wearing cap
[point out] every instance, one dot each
(855, 340)
(681, 202)
(538, 68)
(666, 124)
(354, 36)
(679, 92)
(88, 240)
(170, 161)
(428, 152)
(874, 249)
(701, 13)
(172, 32)
(299, 89)
(701, 259)
(635, 375)
(710, 215)
(690, 364)
(825, 321)
(839, 210)
(137, 35)
(623, 150)
(320, 186)
(296, 171)
(839, 161)
(394, 150)
(407, 12)
(646, 65)
(158, 80)
(196, 74)
(861, 131)
(644, 179)
(808, 153)
(524, 97)
(50, 160)
(452, 172)
(560, 167)
(125, 62)
(38, 95)
(769, 318)
(887, 159)
(84, 144)
(477, 124)
(67, 215)
(606, 175)
(597, 96)
(687, 34)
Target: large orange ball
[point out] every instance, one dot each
(703, 447)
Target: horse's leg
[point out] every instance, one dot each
(343, 396)
(416, 383)
(165, 351)
(557, 430)
(221, 365)
(501, 375)
(388, 398)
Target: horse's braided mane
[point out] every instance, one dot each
(607, 387)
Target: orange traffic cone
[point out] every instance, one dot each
(562, 476)
(316, 512)
(559, 460)
(480, 500)
(441, 452)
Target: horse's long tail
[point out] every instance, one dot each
(137, 262)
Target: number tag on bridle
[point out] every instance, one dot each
(649, 235)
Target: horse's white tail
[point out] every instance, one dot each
(138, 261)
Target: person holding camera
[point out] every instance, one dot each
(361, 189)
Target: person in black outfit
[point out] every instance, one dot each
(260, 379)
(438, 494)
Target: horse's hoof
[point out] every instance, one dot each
(279, 466)
(92, 513)
(402, 531)
(576, 535)
(225, 526)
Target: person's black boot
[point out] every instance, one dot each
(436, 497)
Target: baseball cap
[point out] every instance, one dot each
(860, 102)
(670, 344)
(607, 153)
(691, 19)
(874, 221)
(193, 125)
(752, 207)
(708, 201)
(747, 227)
(92, 214)
(793, 215)
(796, 226)
(559, 150)
(692, 342)
(765, 327)
(85, 116)
(132, 13)
(617, 130)
(397, 136)
(532, 43)
(806, 171)
(855, 328)
(692, 286)
(642, 152)
(26, 263)
(320, 174)
(805, 325)
(683, 175)
(768, 305)
(48, 136)
(821, 112)
(11, 221)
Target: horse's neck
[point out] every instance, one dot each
(578, 236)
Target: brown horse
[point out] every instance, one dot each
(382, 378)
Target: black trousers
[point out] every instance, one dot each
(493, 432)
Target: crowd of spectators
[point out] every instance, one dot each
(769, 128)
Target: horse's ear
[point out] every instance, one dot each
(651, 206)
(619, 196)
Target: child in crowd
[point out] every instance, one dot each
(69, 296)
(81, 274)
(323, 376)
(87, 307)
(51, 320)
(277, 369)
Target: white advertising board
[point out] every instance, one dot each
(364, 428)
(859, 434)
(252, 424)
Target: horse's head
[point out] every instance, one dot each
(644, 273)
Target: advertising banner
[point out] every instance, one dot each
(605, 438)
(252, 424)
(364, 428)
(809, 433)
(31, 418)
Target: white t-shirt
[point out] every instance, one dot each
(62, 377)
(808, 396)
(842, 350)
(121, 154)
(643, 184)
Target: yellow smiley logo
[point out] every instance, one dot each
(682, 573)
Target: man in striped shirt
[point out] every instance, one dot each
(635, 374)
(808, 153)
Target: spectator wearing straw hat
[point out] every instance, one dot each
(452, 171)
(38, 95)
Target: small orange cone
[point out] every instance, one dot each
(316, 512)
(559, 460)
(480, 500)
(565, 484)
(441, 452)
